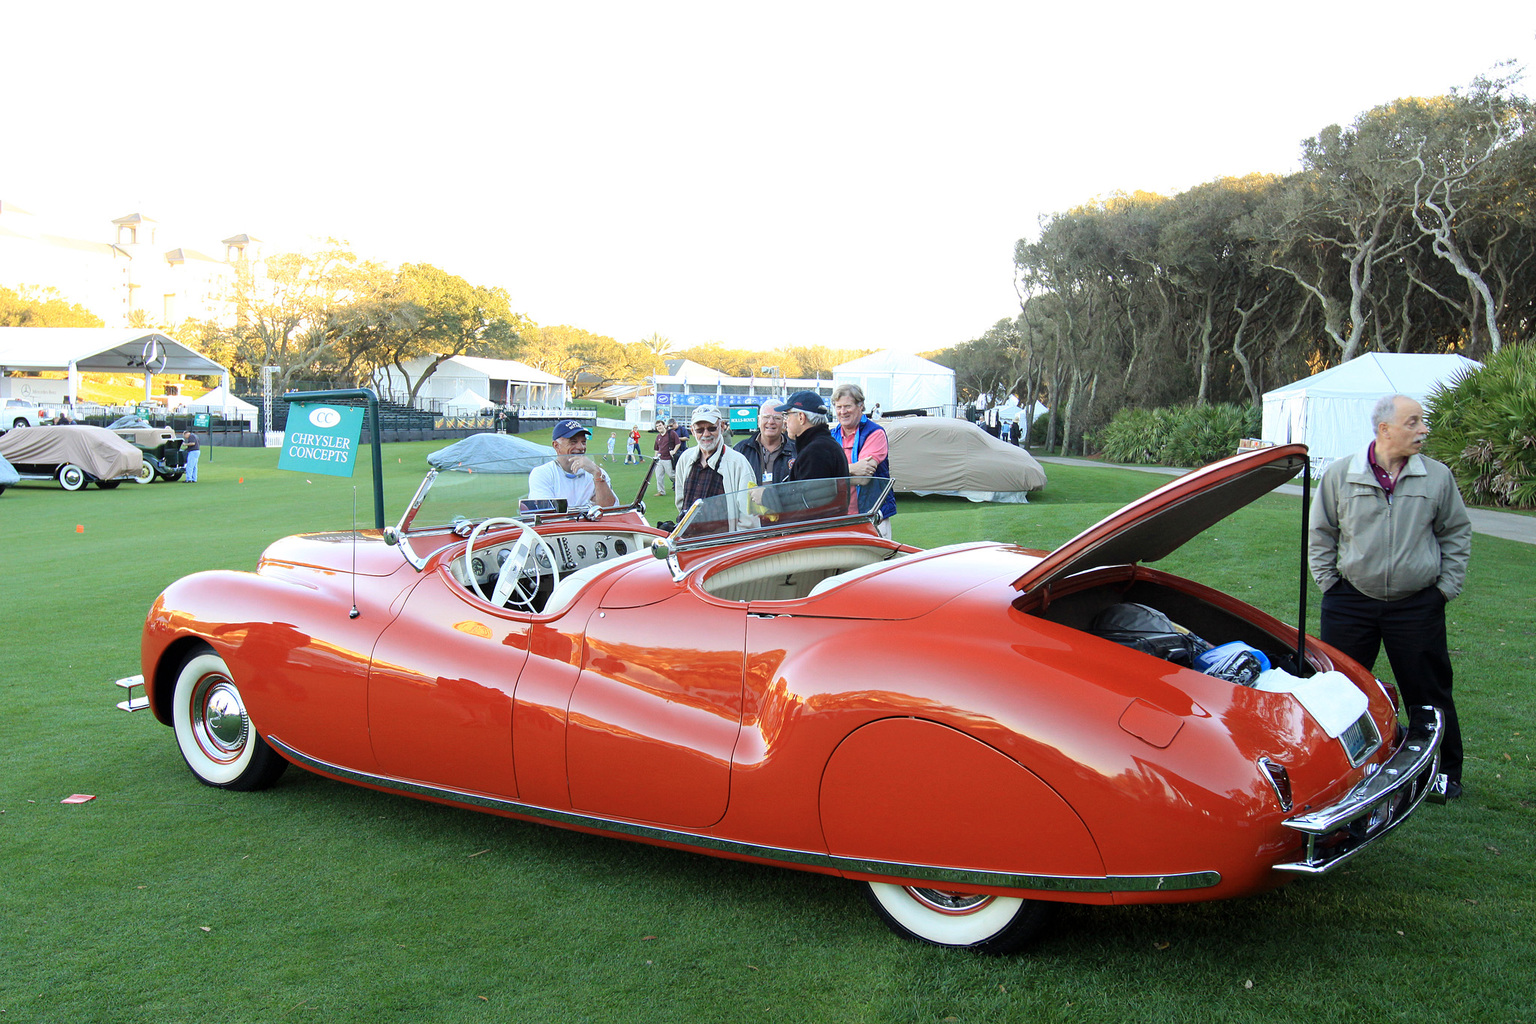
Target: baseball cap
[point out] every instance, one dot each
(570, 428)
(805, 401)
(708, 413)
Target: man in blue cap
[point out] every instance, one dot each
(572, 475)
(817, 455)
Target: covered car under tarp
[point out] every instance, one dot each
(99, 452)
(8, 474)
(938, 455)
(491, 453)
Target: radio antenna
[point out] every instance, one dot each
(354, 612)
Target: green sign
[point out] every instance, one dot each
(743, 417)
(200, 420)
(321, 439)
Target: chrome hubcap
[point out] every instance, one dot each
(219, 718)
(949, 902)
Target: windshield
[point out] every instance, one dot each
(462, 491)
(791, 506)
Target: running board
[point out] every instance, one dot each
(139, 703)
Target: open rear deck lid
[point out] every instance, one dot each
(1158, 524)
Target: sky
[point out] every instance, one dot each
(845, 174)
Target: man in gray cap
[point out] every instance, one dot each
(572, 475)
(712, 467)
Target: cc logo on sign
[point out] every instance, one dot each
(324, 418)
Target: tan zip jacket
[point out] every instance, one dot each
(1389, 549)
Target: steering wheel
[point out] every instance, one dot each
(511, 580)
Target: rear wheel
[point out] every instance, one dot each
(986, 924)
(214, 731)
(71, 477)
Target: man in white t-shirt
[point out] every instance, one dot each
(572, 475)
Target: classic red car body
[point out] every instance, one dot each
(938, 722)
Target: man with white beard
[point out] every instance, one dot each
(711, 467)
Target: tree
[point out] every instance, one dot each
(425, 312)
(290, 308)
(42, 307)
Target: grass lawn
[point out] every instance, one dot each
(163, 900)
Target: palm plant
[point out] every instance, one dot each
(1484, 428)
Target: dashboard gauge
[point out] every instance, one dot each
(619, 547)
(600, 549)
(542, 557)
(581, 552)
(479, 566)
(502, 555)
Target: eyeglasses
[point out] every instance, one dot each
(705, 428)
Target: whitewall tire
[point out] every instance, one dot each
(214, 731)
(987, 924)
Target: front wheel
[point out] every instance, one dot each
(986, 924)
(146, 474)
(214, 731)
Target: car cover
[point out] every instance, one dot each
(96, 450)
(8, 473)
(939, 455)
(491, 453)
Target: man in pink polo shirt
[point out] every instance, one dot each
(867, 448)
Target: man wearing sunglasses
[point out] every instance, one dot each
(712, 466)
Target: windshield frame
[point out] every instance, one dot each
(754, 518)
(503, 491)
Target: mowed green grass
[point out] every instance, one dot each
(164, 900)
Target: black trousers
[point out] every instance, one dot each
(1413, 632)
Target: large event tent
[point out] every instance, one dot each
(1330, 411)
(894, 381)
(102, 350)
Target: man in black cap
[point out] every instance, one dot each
(817, 455)
(572, 475)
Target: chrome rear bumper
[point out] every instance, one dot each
(1381, 802)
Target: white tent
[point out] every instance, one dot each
(465, 403)
(101, 349)
(893, 381)
(220, 401)
(1330, 412)
(505, 381)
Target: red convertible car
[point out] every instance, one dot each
(973, 732)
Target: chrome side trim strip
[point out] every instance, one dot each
(852, 865)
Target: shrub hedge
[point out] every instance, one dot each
(1177, 436)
